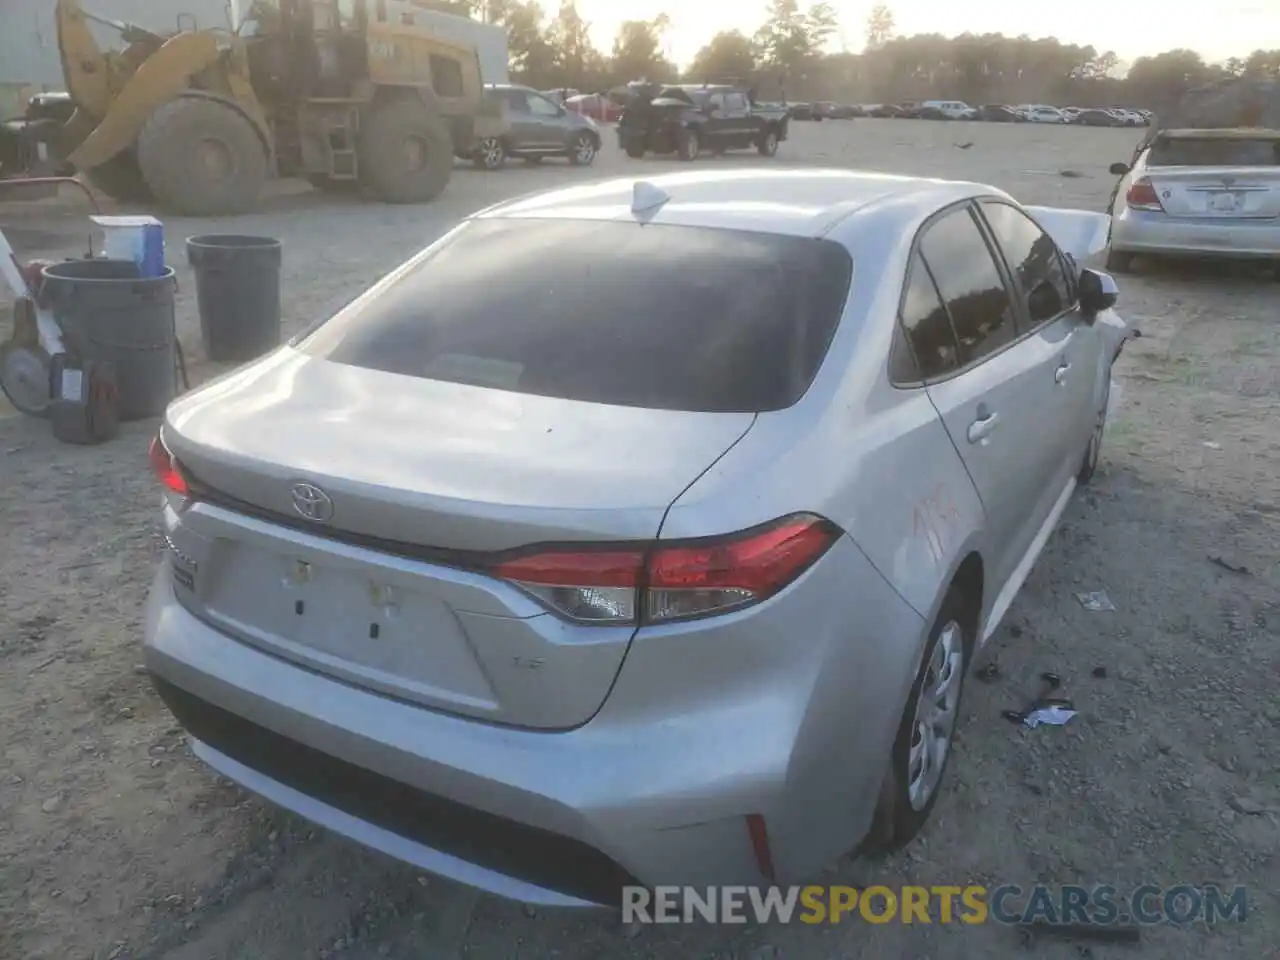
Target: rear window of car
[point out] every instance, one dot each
(644, 315)
(1215, 152)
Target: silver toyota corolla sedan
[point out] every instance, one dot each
(664, 570)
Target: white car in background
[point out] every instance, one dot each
(1039, 113)
(1199, 193)
(951, 109)
(1130, 118)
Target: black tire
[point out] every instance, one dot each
(768, 143)
(1092, 452)
(1119, 262)
(899, 819)
(28, 365)
(583, 150)
(635, 151)
(688, 145)
(490, 154)
(120, 179)
(202, 158)
(389, 168)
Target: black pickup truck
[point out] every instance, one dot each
(687, 119)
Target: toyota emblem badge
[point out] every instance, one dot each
(312, 503)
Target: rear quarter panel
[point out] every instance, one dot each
(875, 459)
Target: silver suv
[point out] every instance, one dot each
(537, 127)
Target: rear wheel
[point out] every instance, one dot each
(405, 152)
(1119, 262)
(120, 179)
(490, 154)
(201, 157)
(635, 151)
(768, 145)
(926, 732)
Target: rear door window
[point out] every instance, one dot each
(658, 316)
(929, 348)
(1034, 260)
(1215, 152)
(970, 283)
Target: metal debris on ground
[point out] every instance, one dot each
(1095, 601)
(1051, 714)
(989, 673)
(1044, 709)
(1234, 568)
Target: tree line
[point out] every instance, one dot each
(786, 58)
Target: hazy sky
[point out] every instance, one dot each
(1130, 27)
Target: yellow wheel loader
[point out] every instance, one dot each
(338, 92)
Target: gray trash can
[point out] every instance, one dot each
(107, 311)
(238, 291)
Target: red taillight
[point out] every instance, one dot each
(673, 582)
(165, 467)
(1142, 196)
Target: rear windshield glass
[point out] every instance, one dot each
(1215, 152)
(664, 317)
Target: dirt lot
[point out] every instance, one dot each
(115, 843)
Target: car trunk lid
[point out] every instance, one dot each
(344, 519)
(1221, 192)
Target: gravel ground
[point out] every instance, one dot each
(115, 843)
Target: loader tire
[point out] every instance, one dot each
(405, 152)
(120, 179)
(202, 158)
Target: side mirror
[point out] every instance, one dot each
(1098, 292)
(1119, 169)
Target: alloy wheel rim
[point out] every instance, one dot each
(586, 150)
(771, 142)
(492, 151)
(934, 723)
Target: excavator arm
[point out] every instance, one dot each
(85, 68)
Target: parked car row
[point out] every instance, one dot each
(959, 110)
(681, 119)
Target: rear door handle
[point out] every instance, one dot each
(1060, 375)
(980, 429)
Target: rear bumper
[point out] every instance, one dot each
(655, 789)
(1141, 231)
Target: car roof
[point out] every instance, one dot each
(1224, 133)
(799, 202)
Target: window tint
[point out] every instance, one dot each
(933, 347)
(736, 101)
(970, 283)
(516, 100)
(446, 76)
(1215, 152)
(540, 106)
(1033, 258)
(665, 317)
